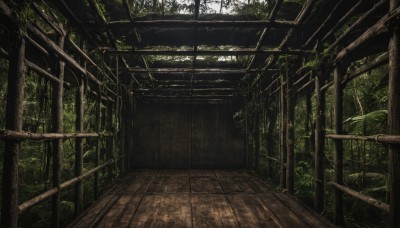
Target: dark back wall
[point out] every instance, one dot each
(186, 136)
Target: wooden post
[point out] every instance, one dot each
(14, 112)
(110, 139)
(290, 133)
(79, 147)
(319, 189)
(338, 128)
(394, 120)
(283, 147)
(256, 136)
(272, 121)
(58, 125)
(97, 159)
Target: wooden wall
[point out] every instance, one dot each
(186, 136)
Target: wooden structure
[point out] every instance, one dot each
(86, 54)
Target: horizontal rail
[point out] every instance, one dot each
(391, 139)
(195, 71)
(49, 193)
(21, 135)
(193, 23)
(205, 52)
(371, 201)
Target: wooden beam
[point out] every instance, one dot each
(323, 25)
(338, 128)
(186, 96)
(342, 20)
(388, 139)
(374, 31)
(356, 24)
(207, 52)
(57, 113)
(371, 201)
(13, 121)
(394, 119)
(290, 103)
(379, 61)
(51, 192)
(283, 123)
(79, 110)
(64, 56)
(195, 23)
(319, 187)
(196, 70)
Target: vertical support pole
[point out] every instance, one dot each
(246, 141)
(290, 133)
(110, 139)
(319, 143)
(97, 159)
(256, 134)
(394, 120)
(14, 112)
(58, 126)
(79, 146)
(283, 129)
(338, 128)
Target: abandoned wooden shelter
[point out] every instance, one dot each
(189, 113)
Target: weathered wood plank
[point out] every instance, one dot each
(205, 185)
(169, 210)
(96, 211)
(285, 216)
(114, 213)
(250, 212)
(169, 185)
(212, 211)
(306, 215)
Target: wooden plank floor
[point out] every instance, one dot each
(197, 198)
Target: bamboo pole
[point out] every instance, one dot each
(389, 139)
(371, 201)
(58, 125)
(290, 103)
(51, 192)
(342, 20)
(322, 26)
(207, 52)
(194, 23)
(196, 70)
(283, 121)
(338, 128)
(319, 187)
(356, 24)
(21, 135)
(61, 53)
(79, 147)
(393, 119)
(109, 141)
(97, 158)
(14, 120)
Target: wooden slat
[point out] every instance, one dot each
(205, 185)
(286, 217)
(308, 216)
(212, 211)
(250, 212)
(96, 211)
(166, 202)
(169, 210)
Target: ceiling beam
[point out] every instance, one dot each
(196, 23)
(197, 71)
(208, 52)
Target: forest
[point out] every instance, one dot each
(284, 101)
